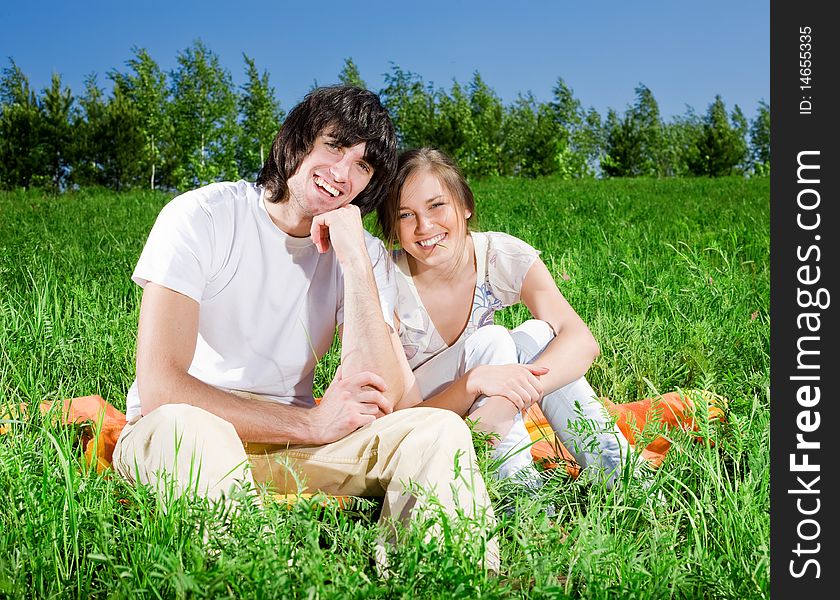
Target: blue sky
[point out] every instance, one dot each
(685, 52)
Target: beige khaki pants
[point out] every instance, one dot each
(197, 452)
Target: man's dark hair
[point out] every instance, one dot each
(351, 115)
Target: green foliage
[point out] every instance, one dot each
(122, 133)
(531, 138)
(108, 139)
(483, 151)
(635, 142)
(88, 141)
(580, 136)
(203, 113)
(680, 138)
(55, 105)
(412, 107)
(261, 118)
(760, 140)
(196, 128)
(454, 126)
(22, 158)
(350, 75)
(146, 87)
(468, 127)
(721, 148)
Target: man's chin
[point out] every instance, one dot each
(320, 210)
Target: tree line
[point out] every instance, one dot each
(191, 126)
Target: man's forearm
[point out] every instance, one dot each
(366, 344)
(256, 421)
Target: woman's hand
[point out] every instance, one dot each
(518, 384)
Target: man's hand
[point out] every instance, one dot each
(347, 405)
(341, 228)
(518, 384)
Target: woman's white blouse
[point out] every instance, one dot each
(501, 263)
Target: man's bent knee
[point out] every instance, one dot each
(172, 432)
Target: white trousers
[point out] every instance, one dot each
(574, 412)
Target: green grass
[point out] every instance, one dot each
(671, 275)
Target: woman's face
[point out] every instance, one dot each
(431, 226)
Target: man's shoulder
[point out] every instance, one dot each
(215, 204)
(220, 194)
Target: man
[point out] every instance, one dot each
(243, 288)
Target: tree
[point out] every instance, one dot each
(531, 138)
(124, 141)
(578, 132)
(412, 107)
(350, 75)
(721, 148)
(680, 138)
(648, 125)
(760, 139)
(107, 138)
(22, 158)
(261, 118)
(517, 125)
(622, 146)
(204, 119)
(89, 135)
(145, 86)
(635, 142)
(588, 142)
(55, 105)
(487, 112)
(455, 130)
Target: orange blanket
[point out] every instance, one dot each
(672, 410)
(105, 424)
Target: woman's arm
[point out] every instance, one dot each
(518, 384)
(573, 349)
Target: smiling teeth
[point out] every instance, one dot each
(320, 182)
(432, 241)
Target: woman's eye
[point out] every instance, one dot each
(436, 204)
(405, 215)
(364, 167)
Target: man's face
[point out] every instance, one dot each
(329, 177)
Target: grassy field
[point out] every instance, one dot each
(672, 277)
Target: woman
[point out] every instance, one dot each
(450, 283)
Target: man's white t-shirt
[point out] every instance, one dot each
(269, 302)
